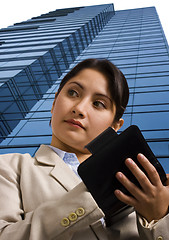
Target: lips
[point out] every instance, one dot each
(75, 123)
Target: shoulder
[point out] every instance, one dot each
(16, 161)
(20, 156)
(12, 157)
(12, 162)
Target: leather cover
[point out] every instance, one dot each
(109, 151)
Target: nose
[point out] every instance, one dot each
(80, 108)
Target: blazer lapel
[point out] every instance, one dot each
(61, 171)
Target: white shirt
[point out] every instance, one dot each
(69, 158)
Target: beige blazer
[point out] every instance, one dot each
(42, 199)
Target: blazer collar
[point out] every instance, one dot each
(61, 171)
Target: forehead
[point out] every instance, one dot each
(91, 78)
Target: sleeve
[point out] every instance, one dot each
(51, 220)
(155, 230)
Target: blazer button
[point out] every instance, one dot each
(160, 238)
(65, 222)
(80, 212)
(72, 217)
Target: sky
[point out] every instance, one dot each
(14, 11)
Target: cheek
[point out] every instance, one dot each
(100, 123)
(57, 112)
(59, 107)
(102, 120)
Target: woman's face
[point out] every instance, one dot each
(81, 111)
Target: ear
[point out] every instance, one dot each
(118, 124)
(53, 102)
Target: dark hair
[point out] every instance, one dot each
(117, 82)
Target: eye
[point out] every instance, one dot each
(99, 104)
(72, 93)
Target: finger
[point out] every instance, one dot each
(131, 187)
(150, 170)
(125, 198)
(139, 174)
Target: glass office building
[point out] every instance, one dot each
(36, 54)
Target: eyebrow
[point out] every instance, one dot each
(103, 95)
(77, 84)
(97, 94)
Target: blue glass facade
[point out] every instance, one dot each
(36, 54)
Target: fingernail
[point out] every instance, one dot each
(141, 155)
(119, 175)
(117, 191)
(129, 160)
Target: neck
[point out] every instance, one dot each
(82, 156)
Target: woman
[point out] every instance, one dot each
(43, 198)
